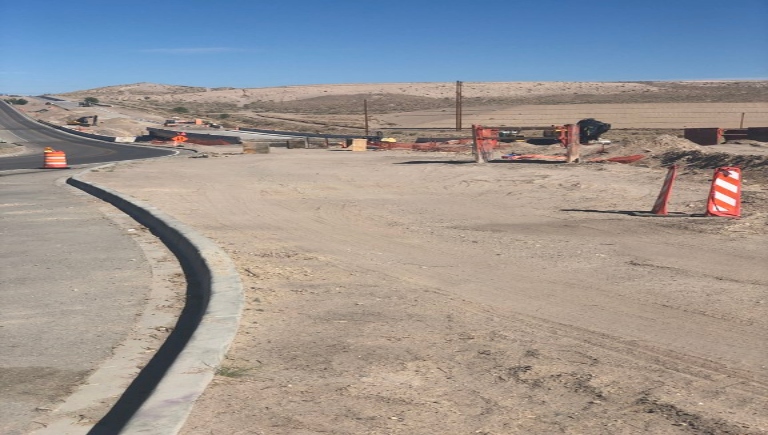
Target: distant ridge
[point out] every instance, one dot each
(443, 92)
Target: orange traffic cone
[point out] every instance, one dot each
(660, 206)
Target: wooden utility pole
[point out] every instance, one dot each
(741, 124)
(458, 105)
(365, 110)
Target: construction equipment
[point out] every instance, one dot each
(510, 135)
(590, 130)
(84, 121)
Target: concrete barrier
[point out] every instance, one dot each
(193, 137)
(120, 139)
(255, 148)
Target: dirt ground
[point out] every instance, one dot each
(418, 293)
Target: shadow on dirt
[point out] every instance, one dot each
(439, 162)
(638, 213)
(472, 162)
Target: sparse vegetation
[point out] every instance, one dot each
(232, 372)
(180, 109)
(16, 101)
(91, 100)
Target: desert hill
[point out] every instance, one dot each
(397, 107)
(443, 94)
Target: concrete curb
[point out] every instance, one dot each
(162, 396)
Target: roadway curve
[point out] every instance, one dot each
(79, 150)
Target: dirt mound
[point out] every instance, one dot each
(653, 148)
(666, 150)
(755, 168)
(658, 145)
(701, 160)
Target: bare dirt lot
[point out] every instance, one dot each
(419, 293)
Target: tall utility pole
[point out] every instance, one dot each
(365, 111)
(458, 105)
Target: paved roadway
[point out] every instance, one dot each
(71, 282)
(17, 128)
(71, 286)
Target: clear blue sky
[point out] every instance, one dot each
(51, 46)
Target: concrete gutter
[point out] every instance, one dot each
(161, 397)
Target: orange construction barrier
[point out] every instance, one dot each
(55, 159)
(725, 194)
(533, 157)
(660, 206)
(485, 140)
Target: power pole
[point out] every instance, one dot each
(365, 110)
(458, 105)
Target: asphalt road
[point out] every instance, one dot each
(17, 128)
(71, 286)
(72, 283)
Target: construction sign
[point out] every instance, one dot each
(725, 193)
(179, 138)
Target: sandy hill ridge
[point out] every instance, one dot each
(493, 92)
(398, 108)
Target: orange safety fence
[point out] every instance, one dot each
(450, 146)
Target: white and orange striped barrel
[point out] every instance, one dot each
(55, 160)
(725, 194)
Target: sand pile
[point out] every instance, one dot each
(659, 145)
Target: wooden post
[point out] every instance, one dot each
(741, 124)
(476, 146)
(458, 105)
(365, 110)
(572, 154)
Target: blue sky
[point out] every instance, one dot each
(50, 46)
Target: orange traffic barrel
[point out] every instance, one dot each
(55, 160)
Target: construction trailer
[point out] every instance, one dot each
(176, 121)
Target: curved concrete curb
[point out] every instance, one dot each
(162, 396)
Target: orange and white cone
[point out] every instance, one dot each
(725, 195)
(54, 159)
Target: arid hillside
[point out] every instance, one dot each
(394, 106)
